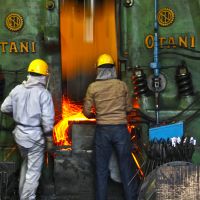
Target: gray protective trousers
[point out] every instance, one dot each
(30, 170)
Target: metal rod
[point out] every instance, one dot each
(156, 70)
(155, 64)
(157, 107)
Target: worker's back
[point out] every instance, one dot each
(111, 101)
(32, 108)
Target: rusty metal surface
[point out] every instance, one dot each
(74, 175)
(177, 180)
(82, 134)
(8, 181)
(74, 170)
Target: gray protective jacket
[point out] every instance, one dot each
(32, 108)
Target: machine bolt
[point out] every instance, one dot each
(50, 4)
(128, 3)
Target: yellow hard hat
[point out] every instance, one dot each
(38, 66)
(104, 59)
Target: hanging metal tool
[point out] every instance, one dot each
(155, 64)
(157, 82)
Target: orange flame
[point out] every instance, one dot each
(70, 112)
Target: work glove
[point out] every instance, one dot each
(49, 144)
(92, 115)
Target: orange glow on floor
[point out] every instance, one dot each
(70, 112)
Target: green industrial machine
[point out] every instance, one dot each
(31, 29)
(159, 56)
(178, 55)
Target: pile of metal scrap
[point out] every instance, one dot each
(164, 151)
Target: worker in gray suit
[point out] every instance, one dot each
(32, 109)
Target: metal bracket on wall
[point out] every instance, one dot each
(50, 4)
(162, 83)
(128, 3)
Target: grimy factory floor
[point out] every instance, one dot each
(68, 174)
(74, 169)
(73, 174)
